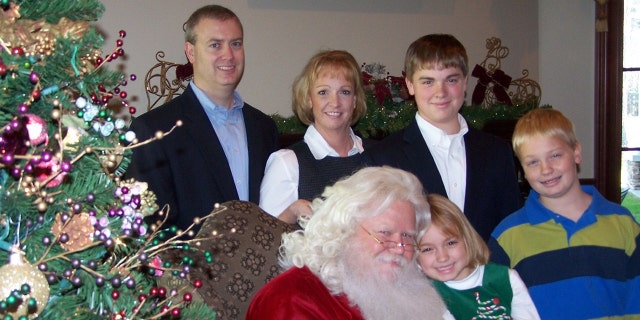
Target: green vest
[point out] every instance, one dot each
(492, 300)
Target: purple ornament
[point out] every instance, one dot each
(66, 166)
(34, 77)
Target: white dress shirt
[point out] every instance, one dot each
(449, 154)
(279, 188)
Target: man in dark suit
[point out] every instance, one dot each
(474, 169)
(219, 151)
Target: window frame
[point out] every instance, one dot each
(608, 100)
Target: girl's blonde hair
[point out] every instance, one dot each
(452, 222)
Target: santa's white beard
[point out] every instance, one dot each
(408, 295)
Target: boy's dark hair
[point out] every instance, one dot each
(435, 51)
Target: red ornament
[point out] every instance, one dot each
(197, 283)
(45, 169)
(187, 297)
(36, 128)
(115, 294)
(18, 51)
(175, 312)
(122, 33)
(36, 94)
(132, 110)
(3, 69)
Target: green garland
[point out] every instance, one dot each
(382, 120)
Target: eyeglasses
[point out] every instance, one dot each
(390, 244)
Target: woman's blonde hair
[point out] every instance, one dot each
(334, 62)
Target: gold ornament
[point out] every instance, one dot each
(12, 13)
(36, 36)
(16, 273)
(78, 228)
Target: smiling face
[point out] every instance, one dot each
(439, 94)
(332, 100)
(443, 257)
(397, 223)
(549, 165)
(217, 54)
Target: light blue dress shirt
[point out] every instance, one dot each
(230, 128)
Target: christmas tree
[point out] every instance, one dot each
(73, 242)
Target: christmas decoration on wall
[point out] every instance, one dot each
(496, 87)
(165, 80)
(73, 240)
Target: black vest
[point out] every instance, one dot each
(315, 175)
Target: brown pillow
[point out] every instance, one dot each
(244, 246)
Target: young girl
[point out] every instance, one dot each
(455, 257)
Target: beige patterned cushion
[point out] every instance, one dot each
(245, 251)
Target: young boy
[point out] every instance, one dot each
(574, 249)
(473, 169)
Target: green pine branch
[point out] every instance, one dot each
(53, 10)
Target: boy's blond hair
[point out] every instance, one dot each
(544, 122)
(435, 51)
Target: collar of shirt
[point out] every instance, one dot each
(321, 149)
(541, 214)
(436, 137)
(474, 279)
(216, 113)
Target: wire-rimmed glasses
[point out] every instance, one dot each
(388, 244)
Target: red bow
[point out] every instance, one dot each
(184, 71)
(500, 80)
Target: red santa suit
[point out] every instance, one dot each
(299, 294)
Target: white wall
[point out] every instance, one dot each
(280, 35)
(567, 73)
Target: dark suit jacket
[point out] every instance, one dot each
(188, 169)
(492, 190)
